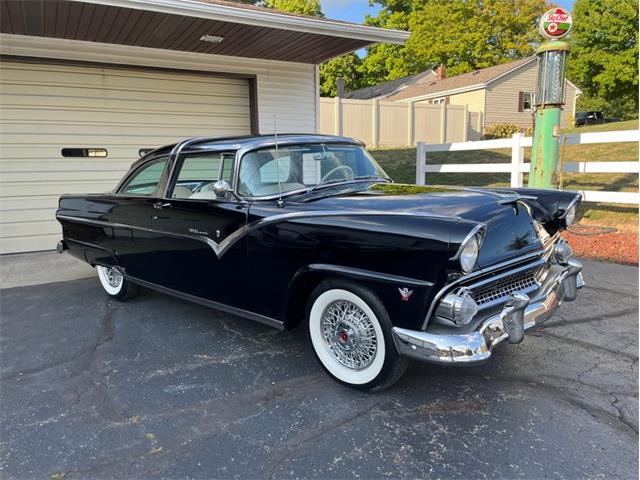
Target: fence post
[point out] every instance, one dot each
(411, 123)
(375, 124)
(443, 123)
(338, 116)
(421, 150)
(517, 159)
(465, 128)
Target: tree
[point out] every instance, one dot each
(346, 66)
(304, 7)
(463, 35)
(604, 56)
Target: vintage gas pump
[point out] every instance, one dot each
(554, 25)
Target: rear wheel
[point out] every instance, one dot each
(114, 283)
(350, 333)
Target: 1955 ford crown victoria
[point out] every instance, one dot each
(308, 228)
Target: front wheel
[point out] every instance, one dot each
(350, 333)
(114, 283)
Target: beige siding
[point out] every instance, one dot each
(502, 98)
(286, 89)
(48, 107)
(473, 100)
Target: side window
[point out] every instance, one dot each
(146, 180)
(199, 172)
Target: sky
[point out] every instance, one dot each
(356, 10)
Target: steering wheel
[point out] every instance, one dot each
(340, 167)
(201, 187)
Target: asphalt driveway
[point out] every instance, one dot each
(160, 388)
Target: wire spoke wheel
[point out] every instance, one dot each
(349, 334)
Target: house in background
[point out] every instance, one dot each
(391, 87)
(503, 94)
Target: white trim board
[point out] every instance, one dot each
(227, 13)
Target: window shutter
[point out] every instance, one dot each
(520, 101)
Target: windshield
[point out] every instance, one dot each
(300, 167)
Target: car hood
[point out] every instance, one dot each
(510, 229)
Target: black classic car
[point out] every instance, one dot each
(309, 229)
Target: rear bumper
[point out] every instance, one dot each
(519, 314)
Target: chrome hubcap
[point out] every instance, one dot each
(349, 334)
(114, 277)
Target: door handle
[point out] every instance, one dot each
(161, 205)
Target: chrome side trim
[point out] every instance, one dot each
(368, 274)
(256, 317)
(220, 248)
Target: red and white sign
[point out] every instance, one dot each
(555, 23)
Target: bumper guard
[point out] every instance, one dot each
(519, 313)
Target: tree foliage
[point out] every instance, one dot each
(463, 35)
(346, 66)
(604, 56)
(304, 7)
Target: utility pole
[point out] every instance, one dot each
(554, 25)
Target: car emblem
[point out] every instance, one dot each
(405, 294)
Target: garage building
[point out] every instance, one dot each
(86, 86)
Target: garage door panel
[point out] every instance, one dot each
(31, 243)
(112, 175)
(51, 153)
(110, 78)
(50, 107)
(223, 96)
(20, 189)
(80, 128)
(21, 203)
(124, 118)
(48, 166)
(25, 229)
(30, 215)
(103, 104)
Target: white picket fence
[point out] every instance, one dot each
(517, 166)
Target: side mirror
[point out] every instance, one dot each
(221, 188)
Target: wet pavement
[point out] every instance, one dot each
(160, 388)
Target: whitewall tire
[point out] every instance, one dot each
(114, 283)
(350, 332)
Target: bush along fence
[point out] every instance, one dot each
(517, 167)
(380, 123)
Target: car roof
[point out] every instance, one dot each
(249, 142)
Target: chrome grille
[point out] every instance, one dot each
(495, 291)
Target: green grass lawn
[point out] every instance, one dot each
(400, 164)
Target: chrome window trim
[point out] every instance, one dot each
(125, 181)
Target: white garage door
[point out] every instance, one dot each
(46, 108)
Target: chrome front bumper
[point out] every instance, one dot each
(519, 313)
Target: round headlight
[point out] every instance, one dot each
(469, 255)
(570, 216)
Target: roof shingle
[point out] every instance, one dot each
(482, 76)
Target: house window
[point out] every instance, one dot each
(438, 101)
(527, 101)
